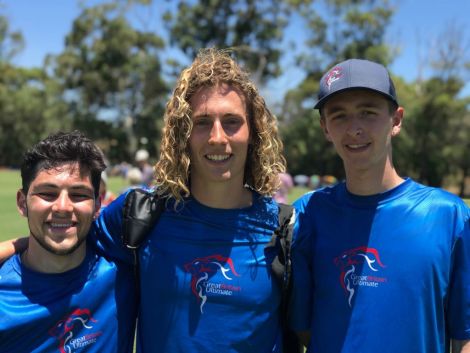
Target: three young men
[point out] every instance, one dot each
(381, 263)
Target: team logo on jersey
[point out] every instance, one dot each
(66, 329)
(348, 263)
(201, 268)
(332, 76)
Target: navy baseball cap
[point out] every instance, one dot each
(353, 74)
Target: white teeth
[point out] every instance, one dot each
(357, 146)
(61, 225)
(218, 157)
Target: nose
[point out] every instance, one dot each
(355, 127)
(62, 204)
(217, 134)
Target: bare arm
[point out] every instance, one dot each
(8, 248)
(460, 346)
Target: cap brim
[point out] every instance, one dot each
(322, 101)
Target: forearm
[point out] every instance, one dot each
(460, 346)
(8, 248)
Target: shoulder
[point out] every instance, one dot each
(440, 197)
(116, 205)
(264, 209)
(99, 262)
(319, 196)
(8, 266)
(265, 203)
(440, 202)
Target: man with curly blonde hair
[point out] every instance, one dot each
(206, 281)
(263, 160)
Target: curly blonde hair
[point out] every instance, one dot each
(264, 160)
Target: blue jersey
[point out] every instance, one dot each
(382, 273)
(206, 284)
(87, 309)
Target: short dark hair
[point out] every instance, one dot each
(58, 149)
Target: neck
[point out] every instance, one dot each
(41, 260)
(219, 196)
(371, 182)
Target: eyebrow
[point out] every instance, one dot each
(73, 187)
(333, 109)
(207, 115)
(199, 117)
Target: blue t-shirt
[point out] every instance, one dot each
(206, 284)
(90, 308)
(382, 273)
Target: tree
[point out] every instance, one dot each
(254, 28)
(10, 42)
(29, 106)
(440, 120)
(111, 71)
(434, 128)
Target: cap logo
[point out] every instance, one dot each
(334, 75)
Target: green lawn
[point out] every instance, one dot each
(13, 225)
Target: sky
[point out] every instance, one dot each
(415, 26)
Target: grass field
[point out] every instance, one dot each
(13, 225)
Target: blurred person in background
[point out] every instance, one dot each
(134, 179)
(287, 183)
(142, 161)
(106, 195)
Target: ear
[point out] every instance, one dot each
(21, 203)
(397, 121)
(325, 129)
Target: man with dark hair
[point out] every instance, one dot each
(59, 294)
(380, 262)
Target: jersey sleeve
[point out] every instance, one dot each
(302, 289)
(458, 317)
(106, 232)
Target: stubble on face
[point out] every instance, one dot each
(54, 251)
(47, 212)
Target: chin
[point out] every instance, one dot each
(221, 177)
(64, 249)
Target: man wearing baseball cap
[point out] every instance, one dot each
(381, 263)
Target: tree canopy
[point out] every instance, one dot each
(112, 78)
